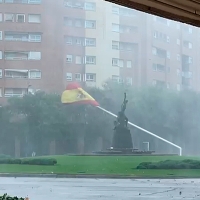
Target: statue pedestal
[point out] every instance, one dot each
(122, 138)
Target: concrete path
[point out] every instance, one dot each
(104, 189)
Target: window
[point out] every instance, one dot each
(78, 41)
(19, 36)
(115, 62)
(15, 92)
(35, 37)
(168, 55)
(69, 40)
(77, 5)
(90, 24)
(20, 18)
(34, 18)
(69, 58)
(187, 29)
(91, 42)
(161, 36)
(168, 39)
(67, 3)
(35, 74)
(16, 1)
(187, 74)
(78, 60)
(1, 74)
(162, 20)
(90, 60)
(160, 53)
(91, 77)
(154, 51)
(78, 77)
(90, 6)
(178, 57)
(115, 10)
(129, 64)
(1, 17)
(1, 55)
(159, 67)
(187, 44)
(115, 27)
(115, 45)
(190, 60)
(15, 36)
(0, 92)
(115, 78)
(16, 73)
(69, 76)
(8, 17)
(1, 35)
(178, 72)
(34, 55)
(122, 46)
(159, 83)
(129, 80)
(34, 1)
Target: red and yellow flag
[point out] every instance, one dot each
(74, 94)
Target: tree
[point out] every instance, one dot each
(38, 119)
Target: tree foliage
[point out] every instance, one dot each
(41, 118)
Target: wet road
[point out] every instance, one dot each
(108, 189)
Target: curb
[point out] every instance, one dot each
(89, 176)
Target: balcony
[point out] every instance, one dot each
(187, 75)
(24, 37)
(24, 1)
(16, 74)
(22, 55)
(15, 92)
(186, 59)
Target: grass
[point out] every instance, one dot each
(109, 165)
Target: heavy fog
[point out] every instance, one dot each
(109, 50)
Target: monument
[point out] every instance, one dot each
(122, 140)
(122, 136)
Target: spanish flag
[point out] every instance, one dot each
(74, 94)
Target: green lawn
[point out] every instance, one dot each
(110, 165)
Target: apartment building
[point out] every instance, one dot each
(45, 44)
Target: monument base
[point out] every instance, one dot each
(122, 138)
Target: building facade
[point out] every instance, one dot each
(45, 44)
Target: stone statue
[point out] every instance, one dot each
(122, 120)
(122, 137)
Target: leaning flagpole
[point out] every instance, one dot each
(144, 130)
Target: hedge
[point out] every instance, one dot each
(29, 161)
(170, 164)
(6, 197)
(39, 161)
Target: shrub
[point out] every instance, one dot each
(39, 161)
(6, 197)
(143, 165)
(10, 161)
(31, 161)
(171, 164)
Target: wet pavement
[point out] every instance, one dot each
(108, 189)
